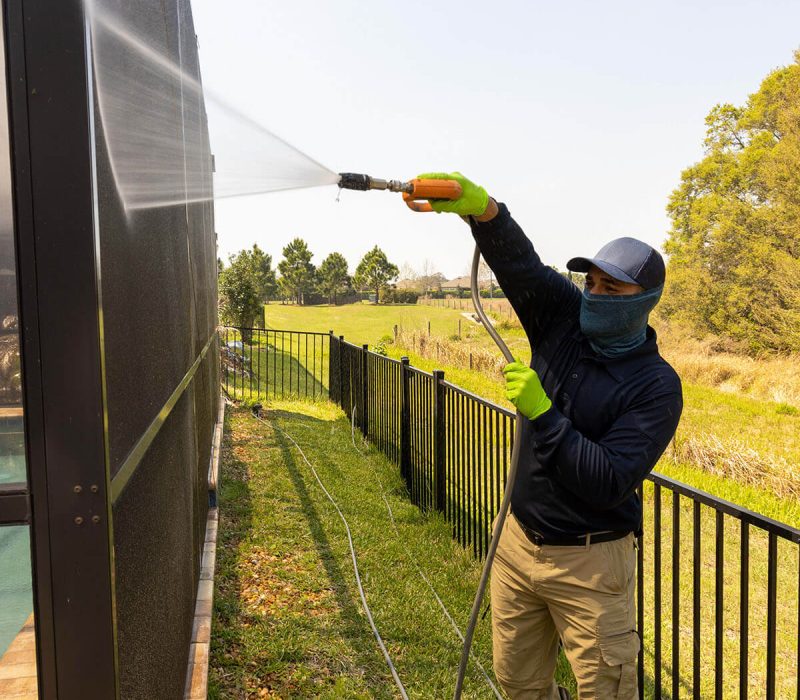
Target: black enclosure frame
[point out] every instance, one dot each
(60, 328)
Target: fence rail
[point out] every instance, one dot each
(717, 584)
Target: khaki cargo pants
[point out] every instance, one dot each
(582, 595)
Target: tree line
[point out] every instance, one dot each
(734, 247)
(249, 280)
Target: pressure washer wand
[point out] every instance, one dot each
(413, 190)
(423, 189)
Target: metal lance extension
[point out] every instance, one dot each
(416, 193)
(512, 472)
(357, 181)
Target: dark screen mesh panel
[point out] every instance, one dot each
(159, 303)
(157, 562)
(202, 244)
(158, 264)
(147, 310)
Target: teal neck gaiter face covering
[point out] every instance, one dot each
(616, 323)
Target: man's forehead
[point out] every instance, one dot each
(595, 271)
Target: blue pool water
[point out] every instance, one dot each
(16, 601)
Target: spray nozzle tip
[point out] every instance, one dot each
(354, 181)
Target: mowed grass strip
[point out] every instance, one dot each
(288, 620)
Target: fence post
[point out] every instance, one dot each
(364, 389)
(331, 367)
(439, 437)
(405, 422)
(341, 373)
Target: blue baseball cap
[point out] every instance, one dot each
(628, 260)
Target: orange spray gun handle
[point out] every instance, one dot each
(430, 189)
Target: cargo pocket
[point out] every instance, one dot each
(619, 653)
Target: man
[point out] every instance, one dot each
(602, 406)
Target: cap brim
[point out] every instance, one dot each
(583, 265)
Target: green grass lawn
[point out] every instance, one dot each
(288, 620)
(362, 323)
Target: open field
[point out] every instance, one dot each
(743, 425)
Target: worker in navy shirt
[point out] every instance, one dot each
(601, 407)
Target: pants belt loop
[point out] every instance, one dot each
(588, 539)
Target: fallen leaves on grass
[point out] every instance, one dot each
(267, 587)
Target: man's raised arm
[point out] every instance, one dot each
(538, 293)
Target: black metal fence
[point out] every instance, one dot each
(260, 363)
(718, 585)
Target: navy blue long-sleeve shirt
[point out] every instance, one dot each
(611, 418)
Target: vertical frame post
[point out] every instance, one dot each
(51, 125)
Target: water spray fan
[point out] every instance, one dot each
(414, 191)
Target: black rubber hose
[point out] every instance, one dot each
(512, 472)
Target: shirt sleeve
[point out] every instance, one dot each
(606, 472)
(538, 293)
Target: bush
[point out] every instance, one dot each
(399, 296)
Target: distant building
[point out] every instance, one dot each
(459, 283)
(407, 284)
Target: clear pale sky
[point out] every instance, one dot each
(579, 115)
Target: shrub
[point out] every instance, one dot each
(399, 296)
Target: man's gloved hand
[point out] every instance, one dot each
(473, 199)
(525, 391)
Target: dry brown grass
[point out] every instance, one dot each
(716, 363)
(451, 352)
(735, 461)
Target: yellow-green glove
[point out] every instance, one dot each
(473, 199)
(525, 391)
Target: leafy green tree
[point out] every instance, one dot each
(375, 272)
(298, 274)
(262, 267)
(333, 277)
(240, 304)
(734, 247)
